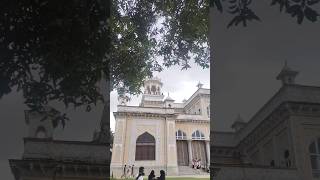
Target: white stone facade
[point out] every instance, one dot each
(282, 140)
(161, 118)
(46, 158)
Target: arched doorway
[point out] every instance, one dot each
(145, 147)
(41, 132)
(199, 147)
(182, 148)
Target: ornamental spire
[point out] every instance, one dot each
(287, 75)
(199, 85)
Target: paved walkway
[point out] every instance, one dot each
(191, 176)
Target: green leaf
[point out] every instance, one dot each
(311, 14)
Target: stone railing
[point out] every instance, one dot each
(35, 148)
(192, 117)
(138, 109)
(292, 93)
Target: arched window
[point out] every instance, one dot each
(158, 90)
(148, 90)
(181, 135)
(145, 147)
(314, 150)
(153, 89)
(41, 132)
(197, 135)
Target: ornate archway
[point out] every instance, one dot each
(145, 147)
(199, 147)
(182, 148)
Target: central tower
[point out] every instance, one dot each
(152, 96)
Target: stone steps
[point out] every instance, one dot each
(186, 170)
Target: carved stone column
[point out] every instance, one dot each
(190, 152)
(208, 152)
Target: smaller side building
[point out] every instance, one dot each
(281, 141)
(45, 158)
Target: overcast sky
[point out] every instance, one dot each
(248, 59)
(180, 85)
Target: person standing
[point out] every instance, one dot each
(124, 171)
(151, 175)
(162, 175)
(132, 168)
(287, 158)
(128, 172)
(193, 163)
(141, 173)
(197, 163)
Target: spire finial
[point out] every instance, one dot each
(285, 63)
(287, 75)
(199, 85)
(169, 98)
(239, 118)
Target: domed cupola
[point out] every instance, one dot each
(168, 102)
(152, 96)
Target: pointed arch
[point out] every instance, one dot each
(153, 89)
(145, 147)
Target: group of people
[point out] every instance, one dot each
(196, 163)
(153, 177)
(127, 173)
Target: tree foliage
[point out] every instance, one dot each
(53, 50)
(157, 34)
(240, 9)
(61, 50)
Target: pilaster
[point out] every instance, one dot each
(190, 152)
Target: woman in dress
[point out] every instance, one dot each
(151, 175)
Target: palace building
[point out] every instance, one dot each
(160, 134)
(47, 158)
(280, 142)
